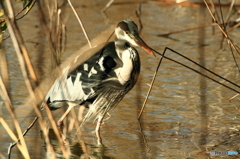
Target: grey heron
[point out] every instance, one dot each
(101, 80)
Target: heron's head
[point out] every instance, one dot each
(127, 30)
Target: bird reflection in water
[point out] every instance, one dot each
(94, 151)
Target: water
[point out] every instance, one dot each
(186, 115)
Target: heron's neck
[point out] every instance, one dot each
(121, 46)
(125, 53)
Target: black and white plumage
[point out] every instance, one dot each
(103, 79)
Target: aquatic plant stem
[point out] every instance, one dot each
(81, 24)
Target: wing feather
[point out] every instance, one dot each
(81, 82)
(109, 95)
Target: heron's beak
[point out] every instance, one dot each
(143, 45)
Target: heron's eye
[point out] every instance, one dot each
(129, 34)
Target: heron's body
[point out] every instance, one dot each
(103, 72)
(102, 80)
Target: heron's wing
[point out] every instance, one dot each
(80, 81)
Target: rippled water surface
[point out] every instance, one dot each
(186, 115)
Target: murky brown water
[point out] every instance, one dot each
(186, 115)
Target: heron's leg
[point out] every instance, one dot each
(80, 112)
(60, 121)
(109, 116)
(99, 123)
